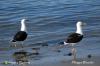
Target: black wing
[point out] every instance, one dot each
(74, 38)
(20, 36)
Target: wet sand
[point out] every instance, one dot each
(54, 56)
(95, 61)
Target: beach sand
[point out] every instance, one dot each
(52, 56)
(95, 61)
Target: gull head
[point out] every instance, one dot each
(79, 26)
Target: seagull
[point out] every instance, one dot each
(22, 34)
(75, 38)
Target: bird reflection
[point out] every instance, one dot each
(23, 56)
(20, 57)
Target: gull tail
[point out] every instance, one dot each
(65, 43)
(13, 40)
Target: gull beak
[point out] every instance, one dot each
(83, 24)
(27, 20)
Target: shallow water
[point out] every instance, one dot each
(50, 21)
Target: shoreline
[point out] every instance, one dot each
(51, 61)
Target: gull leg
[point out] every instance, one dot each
(22, 44)
(74, 55)
(13, 44)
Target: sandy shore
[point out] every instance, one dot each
(60, 61)
(49, 56)
(95, 61)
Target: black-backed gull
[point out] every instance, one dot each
(74, 38)
(22, 34)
